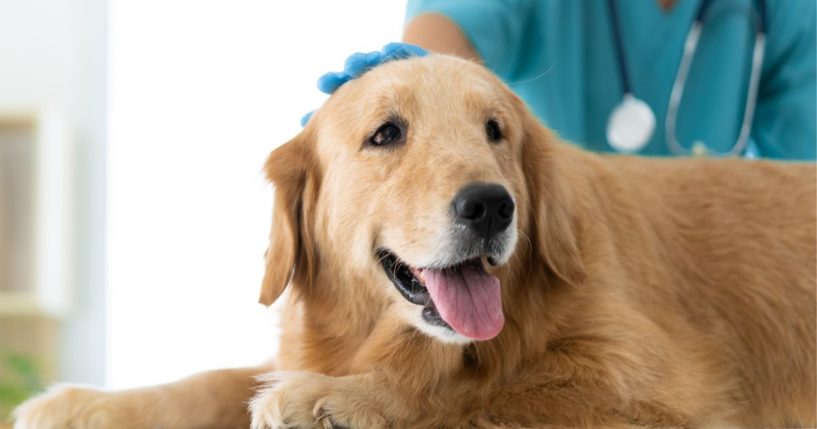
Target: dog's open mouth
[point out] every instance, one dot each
(463, 297)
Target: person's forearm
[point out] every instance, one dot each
(439, 34)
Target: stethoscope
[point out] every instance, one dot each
(632, 122)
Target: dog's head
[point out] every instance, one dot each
(415, 185)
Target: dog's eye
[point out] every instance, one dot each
(387, 134)
(492, 131)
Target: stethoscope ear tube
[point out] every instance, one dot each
(690, 46)
(751, 96)
(698, 148)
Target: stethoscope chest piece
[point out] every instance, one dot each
(631, 125)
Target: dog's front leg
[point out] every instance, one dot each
(215, 399)
(307, 400)
(310, 400)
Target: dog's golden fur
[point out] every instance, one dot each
(641, 292)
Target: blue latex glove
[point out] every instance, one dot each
(361, 62)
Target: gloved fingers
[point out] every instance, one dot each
(397, 50)
(305, 118)
(361, 62)
(331, 81)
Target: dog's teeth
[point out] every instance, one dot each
(419, 273)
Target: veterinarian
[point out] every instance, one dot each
(609, 75)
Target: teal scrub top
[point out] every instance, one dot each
(560, 57)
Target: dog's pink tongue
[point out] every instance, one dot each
(468, 299)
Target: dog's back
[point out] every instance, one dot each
(726, 249)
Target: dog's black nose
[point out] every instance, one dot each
(486, 208)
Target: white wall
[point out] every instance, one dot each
(53, 54)
(201, 91)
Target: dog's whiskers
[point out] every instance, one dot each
(537, 77)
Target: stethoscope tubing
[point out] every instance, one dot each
(676, 94)
(690, 46)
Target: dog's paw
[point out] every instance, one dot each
(309, 400)
(66, 407)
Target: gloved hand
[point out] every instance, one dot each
(361, 62)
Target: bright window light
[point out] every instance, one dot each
(200, 93)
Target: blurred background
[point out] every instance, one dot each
(133, 211)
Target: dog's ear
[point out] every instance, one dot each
(289, 256)
(553, 228)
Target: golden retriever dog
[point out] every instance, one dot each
(450, 263)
